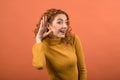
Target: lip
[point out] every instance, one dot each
(62, 32)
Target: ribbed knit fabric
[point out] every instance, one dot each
(63, 61)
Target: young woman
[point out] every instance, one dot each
(57, 49)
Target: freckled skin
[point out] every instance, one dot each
(59, 24)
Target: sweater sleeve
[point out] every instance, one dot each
(38, 56)
(82, 73)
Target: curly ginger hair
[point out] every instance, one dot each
(51, 14)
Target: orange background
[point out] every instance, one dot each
(97, 22)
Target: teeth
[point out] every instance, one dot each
(62, 31)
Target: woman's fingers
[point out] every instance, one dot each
(42, 32)
(40, 27)
(47, 33)
(45, 20)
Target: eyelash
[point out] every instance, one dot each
(62, 22)
(59, 22)
(67, 23)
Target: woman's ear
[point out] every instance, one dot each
(48, 26)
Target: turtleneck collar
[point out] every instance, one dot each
(51, 41)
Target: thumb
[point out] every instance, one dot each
(47, 33)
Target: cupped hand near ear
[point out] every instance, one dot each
(42, 32)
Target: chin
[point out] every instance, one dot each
(62, 36)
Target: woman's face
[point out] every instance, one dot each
(59, 26)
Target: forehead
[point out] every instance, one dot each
(60, 17)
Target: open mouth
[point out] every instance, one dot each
(63, 31)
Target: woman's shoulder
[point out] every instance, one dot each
(74, 36)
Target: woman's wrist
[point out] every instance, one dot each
(38, 41)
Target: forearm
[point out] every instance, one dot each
(83, 74)
(38, 56)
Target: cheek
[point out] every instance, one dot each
(56, 28)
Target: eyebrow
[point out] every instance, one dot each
(62, 19)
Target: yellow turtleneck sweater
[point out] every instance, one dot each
(63, 61)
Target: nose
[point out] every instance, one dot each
(65, 25)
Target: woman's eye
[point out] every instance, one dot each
(59, 22)
(67, 23)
